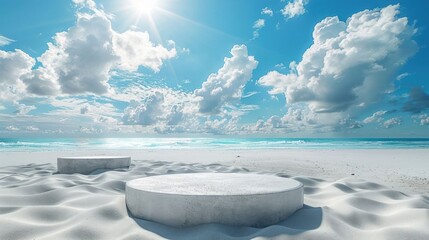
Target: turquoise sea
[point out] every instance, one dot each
(46, 144)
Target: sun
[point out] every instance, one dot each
(144, 6)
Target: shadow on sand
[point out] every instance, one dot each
(306, 219)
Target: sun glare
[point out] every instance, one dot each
(144, 6)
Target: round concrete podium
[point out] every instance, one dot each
(86, 165)
(183, 200)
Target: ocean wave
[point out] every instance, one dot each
(206, 143)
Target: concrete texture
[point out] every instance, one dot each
(183, 200)
(86, 165)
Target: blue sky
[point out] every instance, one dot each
(298, 68)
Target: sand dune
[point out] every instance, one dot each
(37, 203)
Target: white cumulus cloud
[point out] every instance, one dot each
(14, 67)
(258, 25)
(376, 117)
(162, 108)
(349, 63)
(213, 108)
(146, 113)
(267, 11)
(424, 119)
(294, 8)
(392, 122)
(227, 84)
(85, 3)
(81, 59)
(22, 109)
(135, 49)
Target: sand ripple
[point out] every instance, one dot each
(37, 203)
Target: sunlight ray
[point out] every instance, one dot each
(155, 30)
(174, 15)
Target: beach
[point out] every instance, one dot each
(349, 194)
(200, 120)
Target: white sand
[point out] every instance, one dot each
(36, 203)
